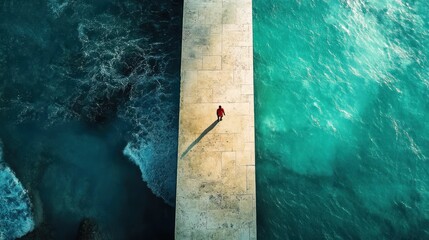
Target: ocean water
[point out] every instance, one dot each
(15, 210)
(88, 117)
(341, 119)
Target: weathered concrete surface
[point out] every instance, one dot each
(216, 162)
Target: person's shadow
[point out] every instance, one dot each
(196, 141)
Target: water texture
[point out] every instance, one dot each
(15, 208)
(89, 110)
(341, 113)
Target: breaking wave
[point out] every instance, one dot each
(114, 64)
(15, 207)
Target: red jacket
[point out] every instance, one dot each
(220, 112)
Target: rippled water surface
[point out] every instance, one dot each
(341, 111)
(88, 117)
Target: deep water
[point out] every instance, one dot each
(88, 116)
(341, 118)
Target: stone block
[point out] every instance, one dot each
(192, 64)
(247, 89)
(245, 158)
(188, 220)
(250, 186)
(212, 62)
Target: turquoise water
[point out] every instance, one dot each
(89, 103)
(341, 111)
(15, 210)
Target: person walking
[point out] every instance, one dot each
(220, 113)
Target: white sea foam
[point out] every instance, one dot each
(58, 6)
(15, 208)
(110, 66)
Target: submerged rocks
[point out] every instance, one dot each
(89, 230)
(41, 232)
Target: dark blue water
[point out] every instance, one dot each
(342, 115)
(88, 116)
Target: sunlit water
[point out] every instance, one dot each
(341, 110)
(88, 116)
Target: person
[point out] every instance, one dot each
(220, 113)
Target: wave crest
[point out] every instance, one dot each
(15, 207)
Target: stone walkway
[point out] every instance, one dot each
(216, 160)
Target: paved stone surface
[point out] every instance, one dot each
(216, 163)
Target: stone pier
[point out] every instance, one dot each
(216, 160)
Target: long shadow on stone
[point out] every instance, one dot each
(196, 141)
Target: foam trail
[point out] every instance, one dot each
(120, 66)
(156, 159)
(15, 208)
